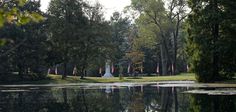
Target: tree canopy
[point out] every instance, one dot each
(164, 37)
(210, 43)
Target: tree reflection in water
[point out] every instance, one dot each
(112, 99)
(204, 103)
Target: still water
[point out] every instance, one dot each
(111, 98)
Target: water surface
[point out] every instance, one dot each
(122, 97)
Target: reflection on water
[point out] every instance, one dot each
(111, 99)
(202, 103)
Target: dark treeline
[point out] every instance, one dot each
(211, 41)
(160, 36)
(70, 34)
(24, 48)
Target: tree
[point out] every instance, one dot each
(66, 26)
(78, 33)
(136, 59)
(95, 47)
(177, 12)
(121, 29)
(208, 37)
(153, 12)
(120, 33)
(15, 12)
(200, 103)
(227, 41)
(160, 22)
(25, 50)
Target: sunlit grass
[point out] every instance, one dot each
(73, 79)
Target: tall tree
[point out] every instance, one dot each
(208, 37)
(120, 32)
(177, 12)
(96, 44)
(67, 22)
(154, 12)
(15, 12)
(25, 50)
(79, 33)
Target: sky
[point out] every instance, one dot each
(110, 6)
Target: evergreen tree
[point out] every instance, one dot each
(209, 36)
(66, 26)
(78, 33)
(17, 12)
(25, 51)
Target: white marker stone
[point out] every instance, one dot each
(108, 70)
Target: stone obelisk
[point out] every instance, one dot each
(107, 70)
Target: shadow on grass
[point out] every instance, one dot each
(134, 78)
(87, 80)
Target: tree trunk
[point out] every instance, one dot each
(64, 92)
(176, 100)
(175, 56)
(84, 100)
(165, 99)
(215, 32)
(163, 60)
(85, 63)
(65, 71)
(82, 73)
(176, 34)
(20, 71)
(215, 55)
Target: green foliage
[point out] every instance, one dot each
(208, 46)
(18, 12)
(78, 34)
(160, 34)
(65, 29)
(15, 11)
(211, 103)
(2, 42)
(24, 52)
(120, 35)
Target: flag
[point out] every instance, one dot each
(100, 70)
(141, 69)
(157, 70)
(56, 70)
(49, 70)
(187, 68)
(75, 71)
(112, 68)
(128, 70)
(172, 68)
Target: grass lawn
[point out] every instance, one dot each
(56, 79)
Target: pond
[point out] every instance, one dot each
(117, 97)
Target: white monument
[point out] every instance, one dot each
(107, 70)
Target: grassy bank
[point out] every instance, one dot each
(56, 79)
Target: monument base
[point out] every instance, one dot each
(107, 75)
